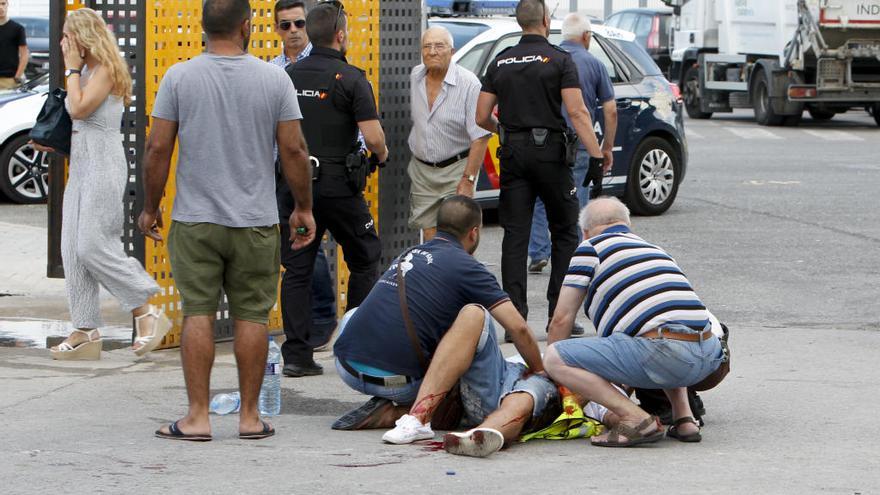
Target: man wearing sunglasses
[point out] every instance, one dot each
(290, 25)
(337, 101)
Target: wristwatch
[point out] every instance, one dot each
(70, 72)
(471, 178)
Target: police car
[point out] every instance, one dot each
(650, 152)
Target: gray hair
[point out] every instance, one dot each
(574, 26)
(604, 210)
(442, 30)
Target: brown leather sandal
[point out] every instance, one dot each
(672, 432)
(634, 436)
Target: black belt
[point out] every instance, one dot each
(447, 162)
(385, 381)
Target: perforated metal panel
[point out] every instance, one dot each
(399, 38)
(154, 35)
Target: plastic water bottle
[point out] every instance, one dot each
(270, 392)
(226, 403)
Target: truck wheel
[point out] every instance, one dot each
(691, 90)
(653, 178)
(821, 114)
(764, 113)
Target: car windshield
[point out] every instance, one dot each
(35, 28)
(638, 56)
(462, 32)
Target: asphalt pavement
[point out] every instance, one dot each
(776, 228)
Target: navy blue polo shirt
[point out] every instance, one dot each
(441, 278)
(595, 83)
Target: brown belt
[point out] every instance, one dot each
(673, 335)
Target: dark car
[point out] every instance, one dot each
(37, 31)
(650, 153)
(652, 30)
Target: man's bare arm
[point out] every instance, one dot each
(157, 164)
(567, 306)
(609, 111)
(485, 104)
(294, 155)
(374, 138)
(475, 158)
(523, 340)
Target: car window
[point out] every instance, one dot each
(613, 20)
(626, 21)
(664, 31)
(462, 32)
(597, 51)
(643, 26)
(471, 60)
(638, 57)
(503, 43)
(35, 28)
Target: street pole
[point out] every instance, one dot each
(609, 7)
(573, 5)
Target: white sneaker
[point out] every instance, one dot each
(408, 430)
(479, 442)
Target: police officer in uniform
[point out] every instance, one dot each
(530, 82)
(336, 101)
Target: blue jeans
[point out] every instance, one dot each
(490, 378)
(539, 242)
(644, 363)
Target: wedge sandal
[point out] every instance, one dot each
(89, 350)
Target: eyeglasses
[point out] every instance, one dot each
(429, 47)
(285, 25)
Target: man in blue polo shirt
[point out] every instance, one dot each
(452, 301)
(654, 332)
(598, 95)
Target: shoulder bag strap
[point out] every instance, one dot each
(407, 322)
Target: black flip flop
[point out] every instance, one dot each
(672, 432)
(176, 434)
(266, 432)
(354, 419)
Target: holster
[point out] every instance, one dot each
(356, 171)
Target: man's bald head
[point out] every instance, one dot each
(530, 14)
(602, 212)
(458, 215)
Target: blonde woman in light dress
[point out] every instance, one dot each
(98, 87)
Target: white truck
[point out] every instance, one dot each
(780, 57)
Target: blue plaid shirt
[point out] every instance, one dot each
(283, 60)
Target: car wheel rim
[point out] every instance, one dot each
(656, 176)
(28, 172)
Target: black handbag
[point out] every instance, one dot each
(53, 127)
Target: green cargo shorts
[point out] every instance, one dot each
(244, 262)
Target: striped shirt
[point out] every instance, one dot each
(449, 127)
(632, 286)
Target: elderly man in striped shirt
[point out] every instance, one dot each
(446, 143)
(654, 331)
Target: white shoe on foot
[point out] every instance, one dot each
(479, 442)
(408, 430)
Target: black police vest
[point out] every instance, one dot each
(330, 132)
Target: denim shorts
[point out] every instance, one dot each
(490, 379)
(644, 363)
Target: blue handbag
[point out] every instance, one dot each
(53, 127)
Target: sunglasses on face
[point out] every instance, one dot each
(285, 25)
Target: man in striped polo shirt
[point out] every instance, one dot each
(655, 332)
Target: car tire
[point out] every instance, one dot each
(653, 178)
(764, 113)
(822, 115)
(876, 113)
(24, 172)
(690, 94)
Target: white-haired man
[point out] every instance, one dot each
(655, 332)
(598, 93)
(446, 143)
